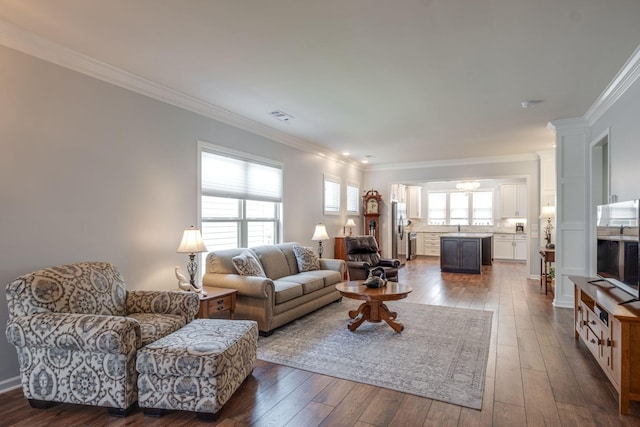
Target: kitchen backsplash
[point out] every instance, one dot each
(503, 226)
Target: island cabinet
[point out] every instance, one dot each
(611, 332)
(465, 252)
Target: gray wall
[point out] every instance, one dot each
(382, 180)
(90, 171)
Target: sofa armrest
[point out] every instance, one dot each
(388, 262)
(181, 303)
(333, 264)
(249, 286)
(70, 331)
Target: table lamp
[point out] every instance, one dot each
(192, 244)
(548, 212)
(320, 234)
(350, 223)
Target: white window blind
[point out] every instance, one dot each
(353, 198)
(437, 203)
(331, 194)
(459, 208)
(482, 208)
(225, 176)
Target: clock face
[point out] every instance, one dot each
(372, 206)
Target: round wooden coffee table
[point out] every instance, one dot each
(373, 309)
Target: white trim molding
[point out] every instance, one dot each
(627, 75)
(23, 41)
(455, 162)
(10, 384)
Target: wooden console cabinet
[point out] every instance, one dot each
(612, 333)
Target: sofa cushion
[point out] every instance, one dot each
(221, 262)
(273, 261)
(306, 259)
(330, 277)
(286, 291)
(154, 326)
(248, 265)
(287, 250)
(310, 282)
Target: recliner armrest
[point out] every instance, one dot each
(70, 331)
(181, 303)
(359, 264)
(388, 262)
(250, 286)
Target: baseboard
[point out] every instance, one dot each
(9, 384)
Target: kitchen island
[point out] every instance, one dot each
(465, 252)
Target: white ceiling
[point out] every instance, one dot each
(398, 80)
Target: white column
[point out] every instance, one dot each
(572, 210)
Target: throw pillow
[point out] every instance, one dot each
(248, 265)
(306, 258)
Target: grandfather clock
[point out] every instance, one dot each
(372, 207)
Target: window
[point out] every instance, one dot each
(482, 204)
(437, 211)
(331, 195)
(353, 199)
(460, 208)
(240, 200)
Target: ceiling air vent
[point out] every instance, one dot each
(280, 115)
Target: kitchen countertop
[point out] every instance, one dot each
(468, 235)
(452, 230)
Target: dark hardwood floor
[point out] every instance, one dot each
(538, 374)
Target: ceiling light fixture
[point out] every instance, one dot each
(468, 186)
(346, 153)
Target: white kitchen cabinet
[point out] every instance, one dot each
(414, 201)
(432, 244)
(510, 246)
(520, 247)
(398, 193)
(513, 200)
(420, 243)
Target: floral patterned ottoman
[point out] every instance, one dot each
(197, 368)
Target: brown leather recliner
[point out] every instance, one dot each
(363, 255)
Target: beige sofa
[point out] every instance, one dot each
(284, 294)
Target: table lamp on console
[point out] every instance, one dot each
(319, 235)
(548, 212)
(191, 244)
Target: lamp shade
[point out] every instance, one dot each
(548, 212)
(191, 241)
(350, 223)
(320, 233)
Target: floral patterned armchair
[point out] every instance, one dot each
(77, 330)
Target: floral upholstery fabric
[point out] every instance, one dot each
(199, 367)
(74, 340)
(248, 265)
(306, 258)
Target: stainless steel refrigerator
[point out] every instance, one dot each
(398, 231)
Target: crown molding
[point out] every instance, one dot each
(455, 162)
(627, 75)
(31, 44)
(576, 123)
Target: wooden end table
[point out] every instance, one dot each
(373, 309)
(217, 300)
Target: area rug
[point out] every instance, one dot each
(441, 354)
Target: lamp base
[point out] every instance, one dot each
(550, 246)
